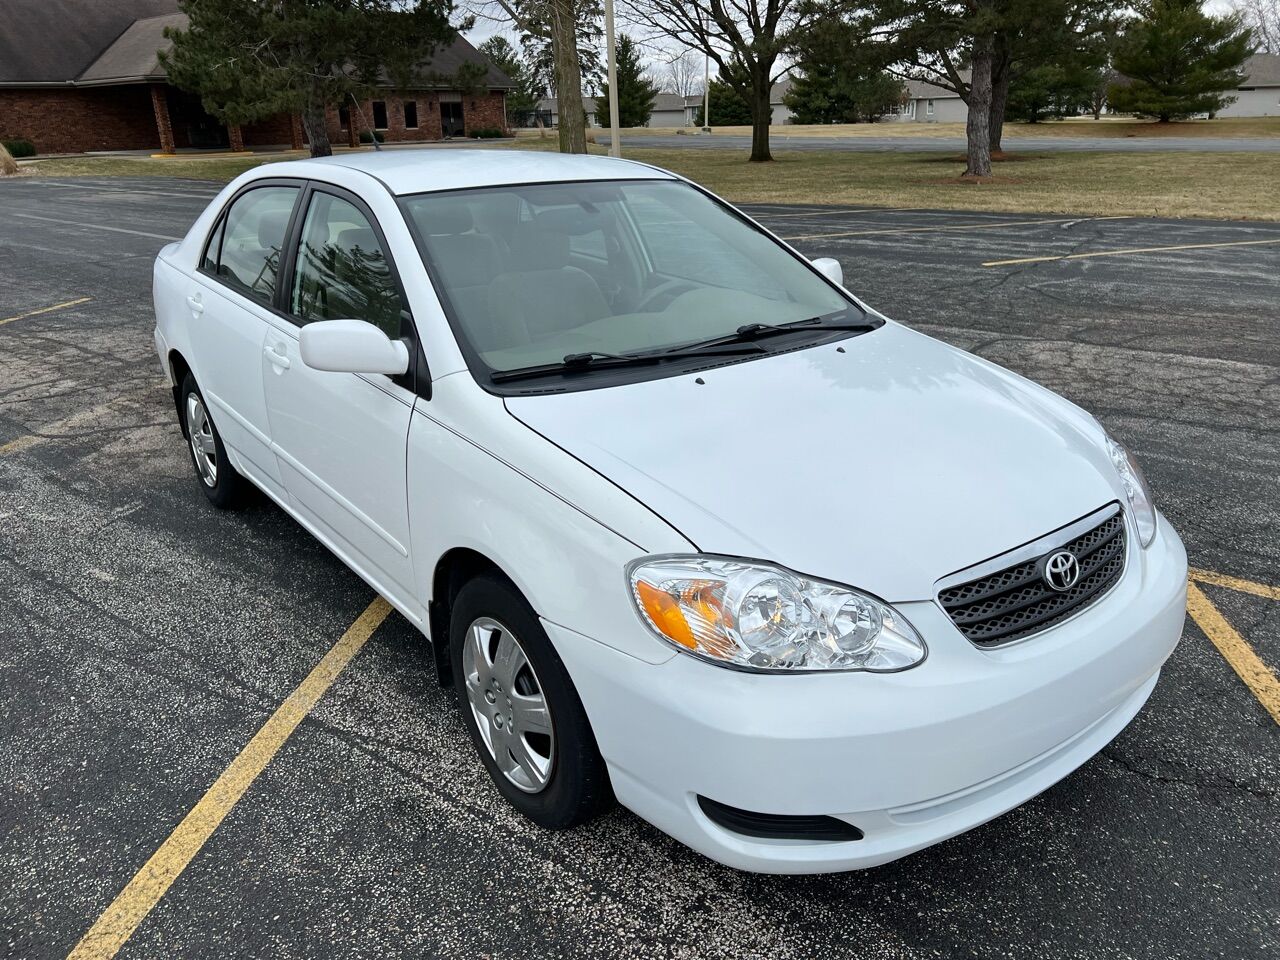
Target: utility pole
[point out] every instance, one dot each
(615, 146)
(706, 89)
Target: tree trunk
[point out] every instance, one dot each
(978, 123)
(999, 95)
(564, 49)
(313, 122)
(761, 114)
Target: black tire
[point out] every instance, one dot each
(227, 489)
(577, 787)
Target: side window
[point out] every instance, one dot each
(253, 236)
(209, 261)
(342, 271)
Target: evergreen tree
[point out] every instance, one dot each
(1178, 60)
(248, 59)
(636, 91)
(729, 108)
(840, 79)
(522, 100)
(1054, 90)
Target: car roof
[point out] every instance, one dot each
(429, 169)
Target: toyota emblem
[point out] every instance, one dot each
(1061, 570)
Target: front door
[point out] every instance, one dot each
(340, 438)
(451, 122)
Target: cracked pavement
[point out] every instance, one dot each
(145, 637)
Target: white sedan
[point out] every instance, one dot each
(686, 523)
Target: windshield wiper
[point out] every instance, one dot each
(754, 331)
(599, 360)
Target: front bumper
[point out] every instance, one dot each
(910, 758)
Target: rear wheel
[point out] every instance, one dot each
(219, 480)
(521, 708)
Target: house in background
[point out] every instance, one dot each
(669, 109)
(780, 113)
(84, 75)
(929, 103)
(1259, 95)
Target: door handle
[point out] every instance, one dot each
(279, 360)
(196, 304)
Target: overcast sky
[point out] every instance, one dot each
(487, 26)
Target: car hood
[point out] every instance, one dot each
(885, 466)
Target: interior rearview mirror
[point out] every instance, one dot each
(351, 346)
(830, 269)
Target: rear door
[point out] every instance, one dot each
(230, 300)
(340, 438)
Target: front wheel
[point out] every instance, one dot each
(522, 710)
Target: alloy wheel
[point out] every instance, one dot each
(509, 705)
(203, 446)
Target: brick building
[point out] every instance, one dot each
(83, 75)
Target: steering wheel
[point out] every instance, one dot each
(662, 295)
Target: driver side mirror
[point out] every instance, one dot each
(351, 346)
(829, 268)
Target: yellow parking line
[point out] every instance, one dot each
(117, 924)
(13, 446)
(1235, 583)
(1255, 674)
(982, 225)
(1128, 252)
(33, 313)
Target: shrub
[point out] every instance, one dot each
(367, 137)
(487, 133)
(20, 147)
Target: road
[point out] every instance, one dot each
(780, 141)
(145, 637)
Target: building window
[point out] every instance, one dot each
(929, 108)
(344, 118)
(411, 114)
(379, 115)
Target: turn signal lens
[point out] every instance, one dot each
(663, 613)
(755, 616)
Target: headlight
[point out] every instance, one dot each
(754, 616)
(1137, 491)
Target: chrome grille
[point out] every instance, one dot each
(1015, 602)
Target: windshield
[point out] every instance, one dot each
(535, 273)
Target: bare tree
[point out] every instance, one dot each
(556, 21)
(1263, 16)
(744, 38)
(682, 74)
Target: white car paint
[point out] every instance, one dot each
(887, 465)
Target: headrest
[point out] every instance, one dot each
(574, 220)
(535, 247)
(362, 237)
(271, 228)
(446, 218)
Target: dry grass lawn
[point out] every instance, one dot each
(1215, 185)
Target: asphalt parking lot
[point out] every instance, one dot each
(145, 638)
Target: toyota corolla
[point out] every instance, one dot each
(684, 522)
